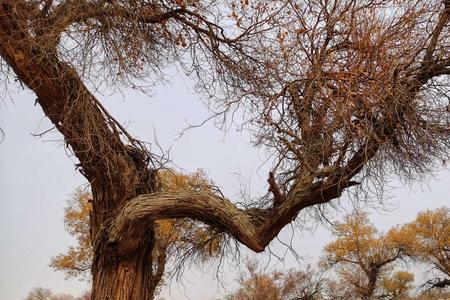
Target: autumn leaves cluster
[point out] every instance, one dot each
(366, 259)
(367, 263)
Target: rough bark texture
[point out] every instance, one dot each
(128, 274)
(253, 228)
(127, 277)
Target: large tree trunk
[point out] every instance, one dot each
(371, 285)
(123, 271)
(129, 277)
(117, 171)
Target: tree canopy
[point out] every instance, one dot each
(397, 285)
(290, 285)
(427, 240)
(363, 256)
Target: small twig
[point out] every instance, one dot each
(39, 135)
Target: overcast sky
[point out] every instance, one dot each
(37, 175)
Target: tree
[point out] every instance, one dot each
(397, 285)
(40, 293)
(338, 290)
(78, 260)
(427, 240)
(361, 255)
(291, 285)
(339, 91)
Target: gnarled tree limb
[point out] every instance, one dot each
(253, 228)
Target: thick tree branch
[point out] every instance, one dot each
(202, 206)
(57, 86)
(253, 228)
(68, 13)
(443, 20)
(437, 283)
(275, 190)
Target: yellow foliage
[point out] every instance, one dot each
(361, 254)
(357, 240)
(398, 284)
(77, 260)
(256, 285)
(172, 181)
(427, 238)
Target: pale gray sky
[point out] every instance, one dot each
(38, 175)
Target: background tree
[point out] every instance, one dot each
(427, 240)
(361, 255)
(338, 290)
(40, 293)
(339, 91)
(290, 285)
(77, 261)
(398, 285)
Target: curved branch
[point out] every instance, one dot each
(437, 283)
(255, 228)
(202, 206)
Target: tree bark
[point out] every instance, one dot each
(124, 271)
(128, 277)
(116, 171)
(370, 288)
